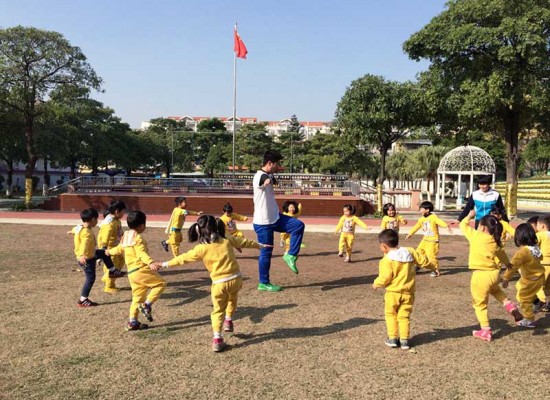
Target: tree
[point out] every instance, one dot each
(34, 62)
(213, 146)
(12, 146)
(291, 141)
(492, 61)
(377, 113)
(426, 162)
(251, 142)
(537, 154)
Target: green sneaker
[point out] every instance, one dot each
(269, 287)
(291, 262)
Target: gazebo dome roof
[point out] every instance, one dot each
(469, 160)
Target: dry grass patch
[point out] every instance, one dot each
(322, 337)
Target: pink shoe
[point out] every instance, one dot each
(483, 334)
(512, 309)
(228, 326)
(218, 344)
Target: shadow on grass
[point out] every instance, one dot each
(286, 333)
(256, 315)
(500, 327)
(339, 283)
(180, 270)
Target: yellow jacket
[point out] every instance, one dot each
(347, 224)
(507, 229)
(543, 237)
(392, 222)
(135, 251)
(396, 270)
(229, 221)
(527, 260)
(84, 241)
(177, 219)
(430, 225)
(483, 249)
(110, 233)
(218, 257)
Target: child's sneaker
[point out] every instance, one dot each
(525, 323)
(111, 289)
(512, 309)
(228, 325)
(340, 254)
(405, 344)
(537, 306)
(86, 303)
(435, 274)
(393, 343)
(116, 273)
(483, 334)
(147, 311)
(282, 243)
(135, 326)
(347, 259)
(164, 245)
(545, 307)
(218, 344)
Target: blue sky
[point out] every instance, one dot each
(161, 58)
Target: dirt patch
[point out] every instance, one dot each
(322, 337)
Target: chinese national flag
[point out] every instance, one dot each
(239, 47)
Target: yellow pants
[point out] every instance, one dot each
(483, 284)
(285, 237)
(346, 243)
(431, 249)
(118, 261)
(544, 293)
(224, 299)
(174, 240)
(141, 281)
(526, 293)
(397, 309)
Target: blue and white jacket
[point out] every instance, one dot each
(482, 202)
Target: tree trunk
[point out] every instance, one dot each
(381, 179)
(72, 174)
(9, 180)
(46, 183)
(32, 158)
(511, 136)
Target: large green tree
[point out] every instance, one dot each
(252, 140)
(490, 66)
(291, 143)
(34, 62)
(213, 146)
(12, 145)
(376, 113)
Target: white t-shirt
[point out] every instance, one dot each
(266, 210)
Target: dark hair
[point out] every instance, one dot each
(389, 237)
(287, 204)
(227, 208)
(525, 235)
(533, 220)
(179, 199)
(88, 214)
(546, 221)
(273, 156)
(485, 180)
(387, 207)
(428, 205)
(350, 208)
(135, 218)
(106, 212)
(208, 229)
(496, 210)
(116, 205)
(493, 226)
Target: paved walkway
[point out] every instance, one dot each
(313, 224)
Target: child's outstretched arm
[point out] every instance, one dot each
(465, 225)
(414, 229)
(240, 243)
(361, 223)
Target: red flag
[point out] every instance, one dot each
(239, 47)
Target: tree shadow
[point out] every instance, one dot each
(500, 327)
(447, 258)
(339, 283)
(180, 271)
(285, 333)
(256, 315)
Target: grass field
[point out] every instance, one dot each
(322, 337)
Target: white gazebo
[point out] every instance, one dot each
(462, 161)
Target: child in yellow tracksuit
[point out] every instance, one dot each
(346, 227)
(229, 218)
(527, 261)
(216, 252)
(173, 229)
(87, 255)
(292, 209)
(508, 230)
(543, 239)
(485, 245)
(391, 219)
(430, 224)
(141, 275)
(397, 272)
(110, 233)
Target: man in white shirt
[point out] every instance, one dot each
(268, 220)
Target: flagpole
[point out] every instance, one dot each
(234, 103)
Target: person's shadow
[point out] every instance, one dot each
(285, 333)
(339, 283)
